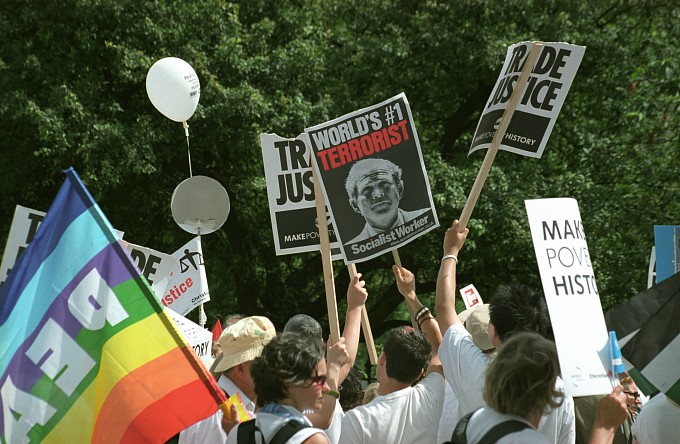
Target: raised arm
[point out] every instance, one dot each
(445, 299)
(406, 282)
(611, 412)
(356, 299)
(336, 357)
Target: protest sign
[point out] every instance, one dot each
(571, 295)
(667, 248)
(155, 266)
(374, 182)
(290, 191)
(198, 338)
(541, 100)
(187, 286)
(24, 226)
(471, 297)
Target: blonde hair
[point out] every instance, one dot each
(521, 379)
(370, 393)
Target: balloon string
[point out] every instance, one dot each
(186, 132)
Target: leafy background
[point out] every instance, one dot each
(73, 94)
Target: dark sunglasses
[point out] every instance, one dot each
(633, 394)
(319, 380)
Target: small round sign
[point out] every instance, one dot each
(200, 205)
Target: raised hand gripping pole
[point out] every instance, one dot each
(397, 262)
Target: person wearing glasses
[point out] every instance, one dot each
(290, 377)
(403, 412)
(630, 389)
(240, 343)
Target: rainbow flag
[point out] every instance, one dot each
(87, 353)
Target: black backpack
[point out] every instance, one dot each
(246, 432)
(492, 436)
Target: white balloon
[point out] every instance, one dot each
(174, 88)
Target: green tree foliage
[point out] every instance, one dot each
(73, 75)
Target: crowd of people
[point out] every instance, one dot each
(489, 374)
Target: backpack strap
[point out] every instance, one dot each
(246, 432)
(458, 436)
(500, 430)
(286, 431)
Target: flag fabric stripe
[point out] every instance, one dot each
(47, 283)
(158, 378)
(674, 392)
(660, 370)
(49, 237)
(629, 316)
(656, 333)
(136, 352)
(143, 424)
(88, 340)
(27, 374)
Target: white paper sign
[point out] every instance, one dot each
(155, 266)
(471, 296)
(290, 189)
(541, 100)
(24, 226)
(198, 338)
(571, 295)
(187, 286)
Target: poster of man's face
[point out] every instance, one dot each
(373, 177)
(374, 187)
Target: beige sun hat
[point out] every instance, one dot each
(476, 320)
(244, 340)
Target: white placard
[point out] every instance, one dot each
(155, 266)
(290, 191)
(471, 296)
(571, 294)
(24, 226)
(541, 101)
(198, 338)
(187, 286)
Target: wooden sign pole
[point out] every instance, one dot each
(328, 279)
(365, 324)
(498, 137)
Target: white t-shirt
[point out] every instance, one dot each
(465, 368)
(209, 430)
(486, 418)
(407, 416)
(449, 417)
(658, 422)
(333, 431)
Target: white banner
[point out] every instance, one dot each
(290, 190)
(154, 265)
(198, 338)
(24, 225)
(187, 286)
(571, 294)
(541, 101)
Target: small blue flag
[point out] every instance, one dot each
(617, 360)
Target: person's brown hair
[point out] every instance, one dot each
(521, 379)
